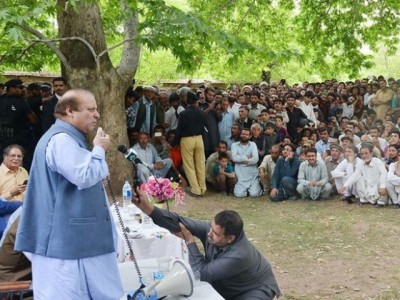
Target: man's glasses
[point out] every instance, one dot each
(15, 156)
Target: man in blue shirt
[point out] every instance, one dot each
(65, 226)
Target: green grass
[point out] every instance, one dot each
(319, 250)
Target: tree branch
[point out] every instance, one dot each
(48, 42)
(131, 51)
(71, 38)
(26, 49)
(114, 46)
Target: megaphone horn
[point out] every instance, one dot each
(178, 282)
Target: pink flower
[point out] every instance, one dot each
(162, 189)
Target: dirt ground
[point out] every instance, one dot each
(329, 250)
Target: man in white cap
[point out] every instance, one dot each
(145, 110)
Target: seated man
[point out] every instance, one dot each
(332, 161)
(231, 263)
(369, 177)
(12, 174)
(222, 147)
(146, 152)
(14, 266)
(393, 183)
(343, 171)
(267, 166)
(6, 209)
(224, 174)
(313, 178)
(245, 157)
(284, 178)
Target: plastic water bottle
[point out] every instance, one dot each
(127, 195)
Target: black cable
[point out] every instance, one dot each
(125, 234)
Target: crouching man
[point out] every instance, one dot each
(231, 264)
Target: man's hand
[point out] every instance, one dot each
(158, 165)
(185, 234)
(274, 192)
(17, 190)
(341, 190)
(101, 139)
(382, 191)
(141, 200)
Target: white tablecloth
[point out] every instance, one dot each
(147, 242)
(202, 290)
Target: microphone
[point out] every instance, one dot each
(131, 155)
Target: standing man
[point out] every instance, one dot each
(16, 118)
(230, 263)
(65, 226)
(189, 133)
(245, 157)
(324, 141)
(145, 110)
(211, 135)
(59, 89)
(226, 122)
(296, 118)
(382, 100)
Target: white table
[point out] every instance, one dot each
(202, 290)
(147, 242)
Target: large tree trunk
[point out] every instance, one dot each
(100, 78)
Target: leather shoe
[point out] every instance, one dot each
(396, 206)
(193, 194)
(379, 205)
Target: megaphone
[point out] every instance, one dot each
(179, 281)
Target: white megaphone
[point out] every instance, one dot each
(179, 281)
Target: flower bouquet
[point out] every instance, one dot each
(162, 190)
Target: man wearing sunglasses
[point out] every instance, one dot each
(16, 117)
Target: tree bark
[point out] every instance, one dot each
(98, 75)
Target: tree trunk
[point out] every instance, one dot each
(101, 78)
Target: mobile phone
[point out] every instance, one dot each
(157, 134)
(25, 182)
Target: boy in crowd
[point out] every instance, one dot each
(224, 174)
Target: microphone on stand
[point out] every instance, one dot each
(131, 155)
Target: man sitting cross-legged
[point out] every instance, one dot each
(313, 178)
(148, 154)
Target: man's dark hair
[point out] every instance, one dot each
(223, 155)
(309, 94)
(292, 146)
(60, 79)
(223, 142)
(312, 149)
(256, 93)
(290, 95)
(321, 130)
(231, 222)
(191, 98)
(174, 97)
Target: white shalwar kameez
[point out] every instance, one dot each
(342, 172)
(369, 178)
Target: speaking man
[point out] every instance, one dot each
(65, 226)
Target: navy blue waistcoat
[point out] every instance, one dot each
(58, 220)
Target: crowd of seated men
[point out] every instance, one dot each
(310, 141)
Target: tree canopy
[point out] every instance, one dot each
(324, 37)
